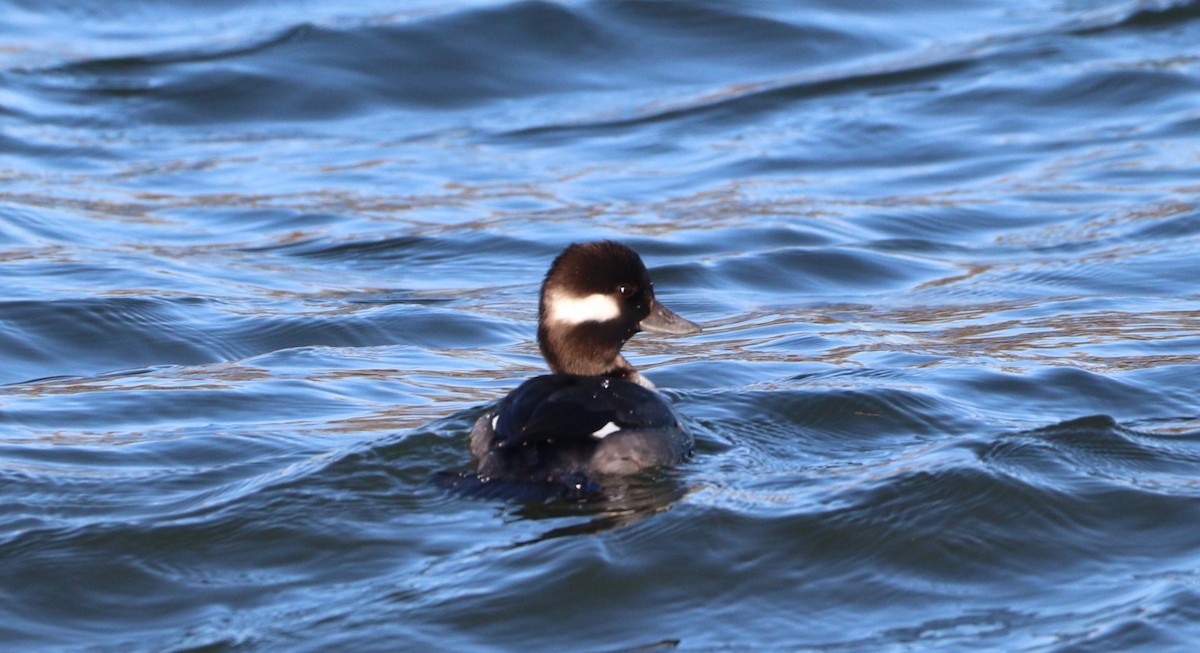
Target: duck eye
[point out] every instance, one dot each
(626, 291)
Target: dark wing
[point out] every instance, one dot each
(565, 407)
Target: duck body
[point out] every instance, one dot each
(562, 425)
(595, 415)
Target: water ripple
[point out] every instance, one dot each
(265, 267)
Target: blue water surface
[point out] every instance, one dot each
(262, 264)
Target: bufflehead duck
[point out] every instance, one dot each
(595, 415)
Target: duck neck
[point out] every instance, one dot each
(583, 359)
(583, 350)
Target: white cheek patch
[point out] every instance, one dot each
(605, 431)
(569, 309)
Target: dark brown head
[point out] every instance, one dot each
(595, 297)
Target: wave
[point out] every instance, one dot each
(81, 337)
(318, 71)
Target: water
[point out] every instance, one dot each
(263, 263)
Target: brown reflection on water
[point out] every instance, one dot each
(983, 334)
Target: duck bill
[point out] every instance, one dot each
(663, 320)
